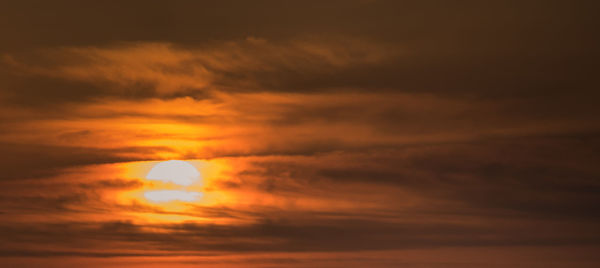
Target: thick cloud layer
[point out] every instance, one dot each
(365, 133)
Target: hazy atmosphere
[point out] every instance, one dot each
(357, 133)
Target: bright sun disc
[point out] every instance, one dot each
(174, 171)
(172, 195)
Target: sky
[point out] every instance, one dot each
(356, 133)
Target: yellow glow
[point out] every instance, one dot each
(161, 199)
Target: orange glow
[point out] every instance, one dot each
(298, 134)
(172, 188)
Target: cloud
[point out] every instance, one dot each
(168, 70)
(275, 236)
(495, 177)
(346, 128)
(29, 161)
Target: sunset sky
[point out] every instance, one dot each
(356, 133)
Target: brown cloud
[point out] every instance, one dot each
(338, 134)
(164, 69)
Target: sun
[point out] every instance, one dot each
(180, 173)
(172, 195)
(174, 171)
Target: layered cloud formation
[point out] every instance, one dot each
(366, 133)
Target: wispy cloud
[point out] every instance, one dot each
(167, 70)
(366, 133)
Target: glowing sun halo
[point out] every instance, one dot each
(174, 171)
(177, 172)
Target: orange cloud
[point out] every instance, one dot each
(170, 69)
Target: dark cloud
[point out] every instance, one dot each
(281, 235)
(48, 203)
(25, 161)
(342, 127)
(496, 49)
(524, 176)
